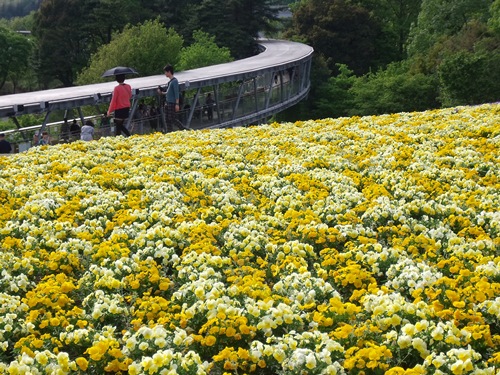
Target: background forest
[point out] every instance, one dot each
(371, 56)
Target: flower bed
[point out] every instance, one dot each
(338, 246)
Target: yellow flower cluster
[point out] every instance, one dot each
(363, 246)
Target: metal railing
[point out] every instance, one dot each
(245, 92)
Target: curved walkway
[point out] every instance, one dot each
(246, 91)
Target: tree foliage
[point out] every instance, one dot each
(202, 52)
(395, 89)
(470, 78)
(63, 47)
(336, 99)
(234, 23)
(344, 32)
(16, 52)
(146, 48)
(396, 18)
(438, 18)
(494, 20)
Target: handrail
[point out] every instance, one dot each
(272, 80)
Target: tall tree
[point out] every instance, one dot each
(104, 17)
(147, 48)
(202, 52)
(234, 23)
(16, 53)
(494, 21)
(396, 18)
(67, 39)
(344, 32)
(439, 18)
(63, 48)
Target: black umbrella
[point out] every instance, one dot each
(118, 70)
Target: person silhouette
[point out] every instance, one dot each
(120, 104)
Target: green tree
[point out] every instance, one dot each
(104, 17)
(202, 52)
(16, 53)
(343, 32)
(395, 89)
(234, 23)
(468, 78)
(336, 99)
(63, 48)
(396, 18)
(494, 20)
(17, 8)
(147, 48)
(439, 18)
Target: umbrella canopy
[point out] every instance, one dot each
(118, 70)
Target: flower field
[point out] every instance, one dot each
(357, 246)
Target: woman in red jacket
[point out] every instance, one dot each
(120, 104)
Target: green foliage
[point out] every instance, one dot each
(494, 20)
(202, 52)
(63, 46)
(440, 18)
(467, 78)
(234, 23)
(336, 98)
(18, 23)
(345, 33)
(395, 18)
(16, 52)
(146, 48)
(395, 89)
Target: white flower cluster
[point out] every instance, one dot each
(462, 361)
(300, 353)
(43, 362)
(408, 275)
(169, 362)
(12, 309)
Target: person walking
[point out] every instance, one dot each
(209, 105)
(120, 104)
(171, 94)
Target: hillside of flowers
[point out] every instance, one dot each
(360, 246)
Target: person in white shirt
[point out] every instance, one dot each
(87, 131)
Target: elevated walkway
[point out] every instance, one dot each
(246, 91)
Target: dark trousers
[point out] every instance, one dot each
(170, 116)
(120, 127)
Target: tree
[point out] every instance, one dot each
(395, 89)
(17, 8)
(396, 18)
(345, 33)
(147, 48)
(67, 39)
(494, 21)
(103, 17)
(336, 99)
(203, 52)
(243, 18)
(63, 48)
(16, 53)
(439, 18)
(468, 78)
